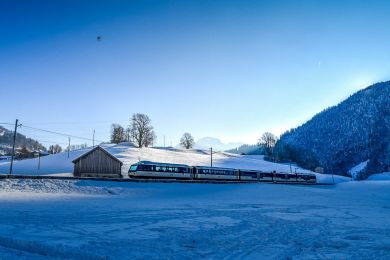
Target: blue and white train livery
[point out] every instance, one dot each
(155, 170)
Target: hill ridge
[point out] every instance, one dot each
(344, 135)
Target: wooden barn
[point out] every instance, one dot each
(97, 163)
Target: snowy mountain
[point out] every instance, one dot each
(342, 137)
(215, 143)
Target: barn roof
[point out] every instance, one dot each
(94, 149)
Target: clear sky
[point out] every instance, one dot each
(228, 69)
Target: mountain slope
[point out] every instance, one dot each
(248, 149)
(6, 141)
(341, 137)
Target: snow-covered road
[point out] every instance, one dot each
(100, 220)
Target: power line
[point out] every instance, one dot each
(80, 122)
(50, 142)
(58, 133)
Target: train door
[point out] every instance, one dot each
(194, 176)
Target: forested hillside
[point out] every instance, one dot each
(340, 137)
(248, 149)
(6, 140)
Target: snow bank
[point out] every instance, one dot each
(385, 176)
(52, 186)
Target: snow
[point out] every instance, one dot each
(357, 169)
(60, 164)
(111, 220)
(385, 176)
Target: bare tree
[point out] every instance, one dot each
(268, 141)
(117, 133)
(187, 141)
(141, 130)
(76, 147)
(53, 149)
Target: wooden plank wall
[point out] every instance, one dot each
(97, 163)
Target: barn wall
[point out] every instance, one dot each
(97, 164)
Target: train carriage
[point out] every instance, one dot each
(280, 177)
(292, 177)
(310, 178)
(250, 175)
(301, 177)
(215, 173)
(145, 169)
(267, 177)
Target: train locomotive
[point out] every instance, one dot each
(155, 170)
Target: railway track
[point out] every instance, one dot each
(46, 177)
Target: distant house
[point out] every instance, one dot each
(97, 163)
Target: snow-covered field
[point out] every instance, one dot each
(106, 220)
(60, 164)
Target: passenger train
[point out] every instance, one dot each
(155, 170)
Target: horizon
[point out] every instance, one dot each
(215, 69)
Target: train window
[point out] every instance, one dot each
(133, 168)
(183, 170)
(145, 168)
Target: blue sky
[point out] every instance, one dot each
(228, 69)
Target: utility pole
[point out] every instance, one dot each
(164, 141)
(39, 159)
(68, 146)
(211, 156)
(93, 138)
(13, 148)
